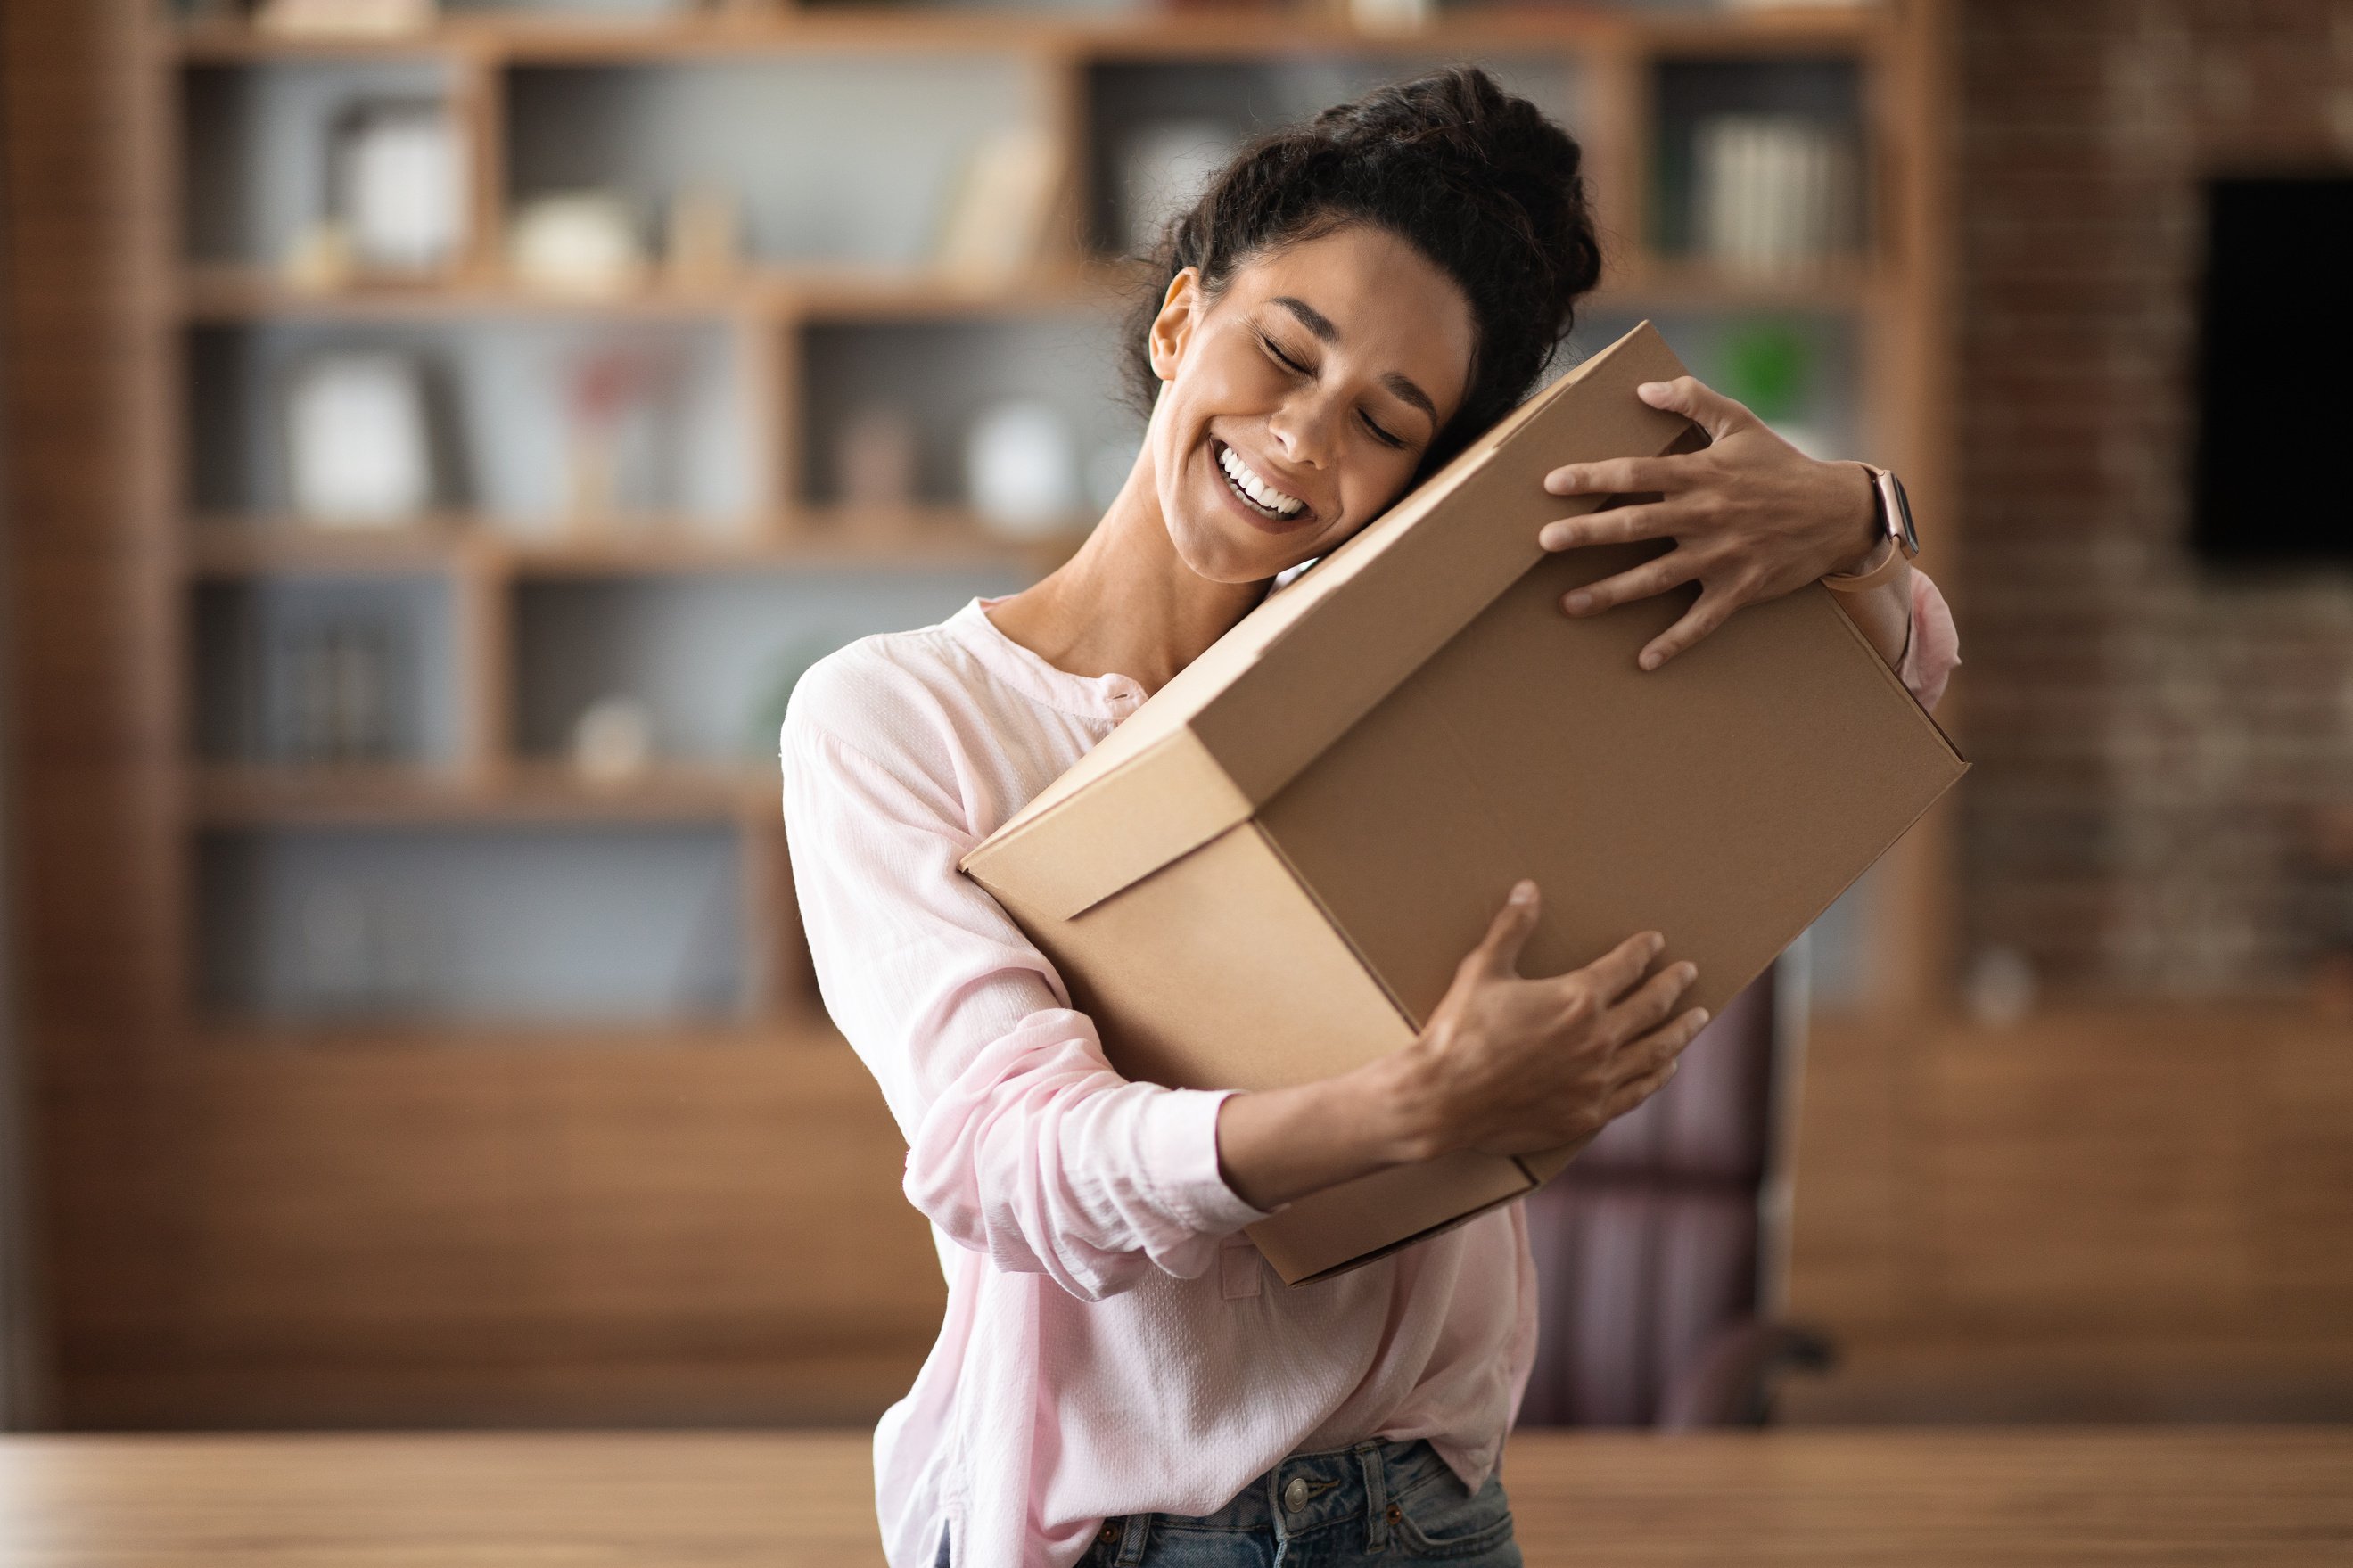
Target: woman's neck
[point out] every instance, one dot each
(1126, 604)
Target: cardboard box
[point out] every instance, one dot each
(1268, 873)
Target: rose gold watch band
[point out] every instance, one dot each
(1886, 558)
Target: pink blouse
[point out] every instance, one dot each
(1111, 1344)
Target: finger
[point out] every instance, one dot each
(1612, 974)
(1643, 1057)
(1671, 570)
(1625, 476)
(1632, 1093)
(1648, 1005)
(1498, 952)
(1714, 606)
(1617, 525)
(1696, 401)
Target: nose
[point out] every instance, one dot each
(1308, 429)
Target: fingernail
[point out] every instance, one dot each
(1561, 484)
(1699, 1016)
(1656, 942)
(1578, 602)
(1548, 539)
(1650, 661)
(1650, 389)
(1687, 971)
(1524, 893)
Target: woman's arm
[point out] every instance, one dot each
(1507, 1066)
(1024, 1145)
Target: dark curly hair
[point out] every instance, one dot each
(1479, 181)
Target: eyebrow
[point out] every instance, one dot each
(1320, 324)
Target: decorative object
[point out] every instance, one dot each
(319, 259)
(585, 242)
(613, 740)
(704, 245)
(1392, 15)
(1769, 367)
(874, 459)
(1772, 193)
(1164, 167)
(358, 446)
(335, 693)
(620, 401)
(399, 174)
(1021, 470)
(344, 18)
(997, 219)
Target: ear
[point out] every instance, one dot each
(1172, 329)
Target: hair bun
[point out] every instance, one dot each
(1477, 179)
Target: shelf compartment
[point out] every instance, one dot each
(257, 148)
(497, 397)
(834, 162)
(1157, 125)
(330, 667)
(592, 924)
(232, 796)
(238, 293)
(938, 378)
(828, 540)
(708, 659)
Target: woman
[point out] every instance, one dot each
(1347, 306)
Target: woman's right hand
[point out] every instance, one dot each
(1510, 1066)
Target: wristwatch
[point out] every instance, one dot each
(1901, 539)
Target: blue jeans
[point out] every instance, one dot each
(1376, 1503)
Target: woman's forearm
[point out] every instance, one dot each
(1278, 1145)
(1884, 615)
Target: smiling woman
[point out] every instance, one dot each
(1348, 305)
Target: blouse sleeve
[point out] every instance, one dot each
(1934, 649)
(1023, 1143)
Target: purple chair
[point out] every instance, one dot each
(1660, 1252)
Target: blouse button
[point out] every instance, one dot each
(1294, 1495)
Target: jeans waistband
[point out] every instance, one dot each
(1309, 1491)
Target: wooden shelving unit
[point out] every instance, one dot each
(788, 1151)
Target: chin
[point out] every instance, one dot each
(1215, 553)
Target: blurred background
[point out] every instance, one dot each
(436, 439)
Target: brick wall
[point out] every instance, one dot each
(2153, 738)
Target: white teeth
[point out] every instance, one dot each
(1247, 481)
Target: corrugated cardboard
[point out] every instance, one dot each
(1268, 873)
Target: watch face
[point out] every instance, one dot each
(1899, 509)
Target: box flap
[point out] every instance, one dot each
(1245, 718)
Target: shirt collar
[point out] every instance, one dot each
(1110, 697)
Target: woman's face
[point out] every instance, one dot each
(1298, 403)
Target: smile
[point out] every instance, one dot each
(1245, 482)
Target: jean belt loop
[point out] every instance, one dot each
(1377, 1495)
(1135, 1529)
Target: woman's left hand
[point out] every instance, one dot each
(1752, 517)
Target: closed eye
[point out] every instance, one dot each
(1275, 348)
(1383, 436)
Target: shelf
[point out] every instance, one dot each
(233, 294)
(393, 795)
(781, 1032)
(1675, 283)
(814, 538)
(1239, 33)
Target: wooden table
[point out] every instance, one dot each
(2246, 1497)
